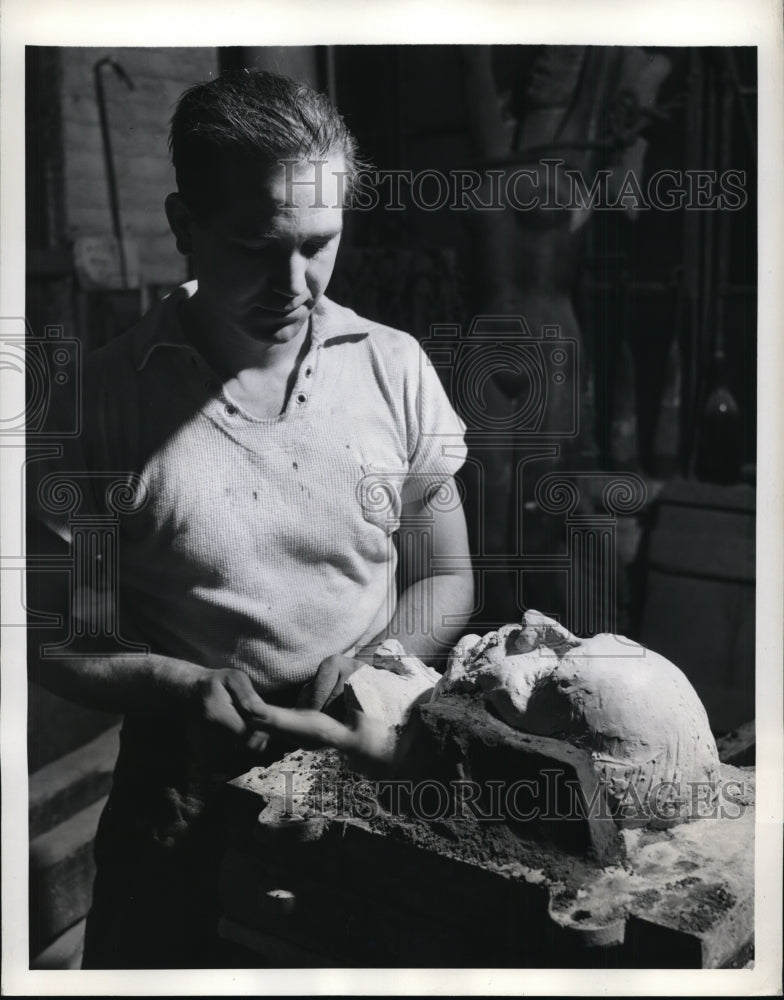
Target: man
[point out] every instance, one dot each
(274, 441)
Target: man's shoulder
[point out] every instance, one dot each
(127, 353)
(338, 324)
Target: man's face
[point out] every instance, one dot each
(264, 260)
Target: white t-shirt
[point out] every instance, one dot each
(259, 544)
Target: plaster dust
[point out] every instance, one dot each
(695, 878)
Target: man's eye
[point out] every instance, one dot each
(255, 250)
(314, 249)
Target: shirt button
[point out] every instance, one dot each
(231, 410)
(308, 372)
(302, 397)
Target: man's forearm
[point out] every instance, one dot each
(420, 619)
(143, 683)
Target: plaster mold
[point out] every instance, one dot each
(633, 710)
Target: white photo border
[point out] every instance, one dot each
(205, 22)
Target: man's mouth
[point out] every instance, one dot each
(286, 310)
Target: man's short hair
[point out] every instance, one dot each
(251, 117)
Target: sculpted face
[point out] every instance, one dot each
(633, 710)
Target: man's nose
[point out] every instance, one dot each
(289, 277)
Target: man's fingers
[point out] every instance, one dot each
(308, 727)
(327, 685)
(228, 700)
(335, 693)
(231, 701)
(323, 684)
(245, 696)
(258, 740)
(305, 696)
(217, 708)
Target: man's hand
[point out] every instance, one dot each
(366, 741)
(327, 686)
(227, 699)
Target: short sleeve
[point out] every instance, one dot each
(71, 473)
(437, 448)
(58, 481)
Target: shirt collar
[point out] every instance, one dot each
(161, 326)
(331, 320)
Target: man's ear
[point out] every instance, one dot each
(180, 222)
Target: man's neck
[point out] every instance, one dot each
(229, 352)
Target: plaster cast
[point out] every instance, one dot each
(389, 689)
(632, 709)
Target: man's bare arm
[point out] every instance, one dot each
(436, 600)
(435, 603)
(146, 684)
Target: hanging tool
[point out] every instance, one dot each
(719, 453)
(108, 157)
